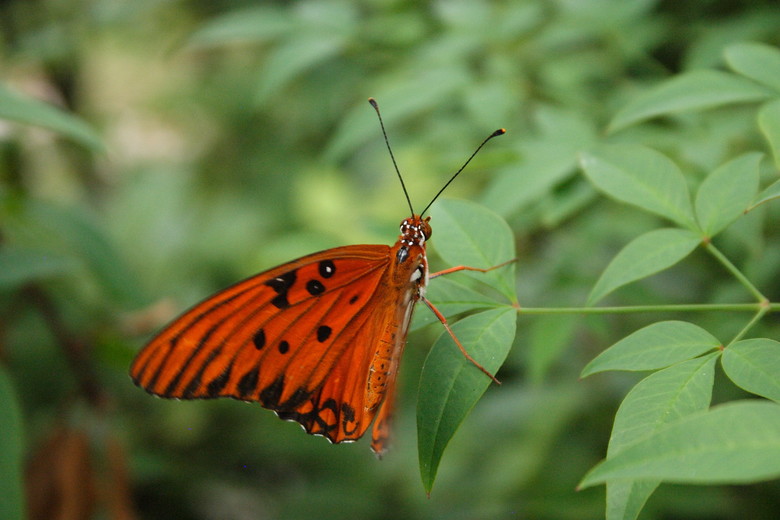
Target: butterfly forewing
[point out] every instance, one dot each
(285, 321)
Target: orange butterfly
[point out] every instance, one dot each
(318, 340)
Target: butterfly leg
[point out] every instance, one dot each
(444, 322)
(467, 268)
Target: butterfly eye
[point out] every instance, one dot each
(402, 254)
(426, 228)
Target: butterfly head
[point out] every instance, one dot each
(415, 230)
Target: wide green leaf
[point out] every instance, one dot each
(754, 364)
(451, 297)
(11, 452)
(660, 398)
(450, 385)
(645, 255)
(640, 176)
(467, 234)
(23, 109)
(769, 123)
(695, 90)
(727, 192)
(733, 443)
(757, 61)
(656, 346)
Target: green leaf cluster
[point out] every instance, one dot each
(152, 153)
(666, 429)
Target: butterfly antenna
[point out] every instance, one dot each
(500, 131)
(387, 142)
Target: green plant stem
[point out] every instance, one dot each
(761, 311)
(758, 308)
(714, 251)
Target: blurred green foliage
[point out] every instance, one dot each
(195, 143)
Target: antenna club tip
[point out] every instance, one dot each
(373, 102)
(500, 131)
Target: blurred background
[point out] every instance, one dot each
(202, 142)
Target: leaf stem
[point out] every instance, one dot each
(763, 309)
(759, 308)
(714, 251)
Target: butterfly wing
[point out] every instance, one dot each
(362, 383)
(317, 340)
(271, 338)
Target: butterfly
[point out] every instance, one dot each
(318, 340)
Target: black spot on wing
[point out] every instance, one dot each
(280, 301)
(195, 381)
(271, 394)
(216, 386)
(259, 339)
(348, 416)
(248, 383)
(284, 347)
(315, 287)
(323, 333)
(281, 284)
(298, 397)
(327, 268)
(270, 398)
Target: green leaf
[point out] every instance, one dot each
(450, 385)
(645, 255)
(11, 451)
(727, 192)
(467, 234)
(543, 166)
(409, 97)
(733, 443)
(23, 109)
(451, 298)
(640, 176)
(61, 232)
(256, 24)
(695, 90)
(19, 266)
(754, 365)
(660, 398)
(292, 58)
(757, 61)
(770, 193)
(769, 123)
(545, 162)
(656, 346)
